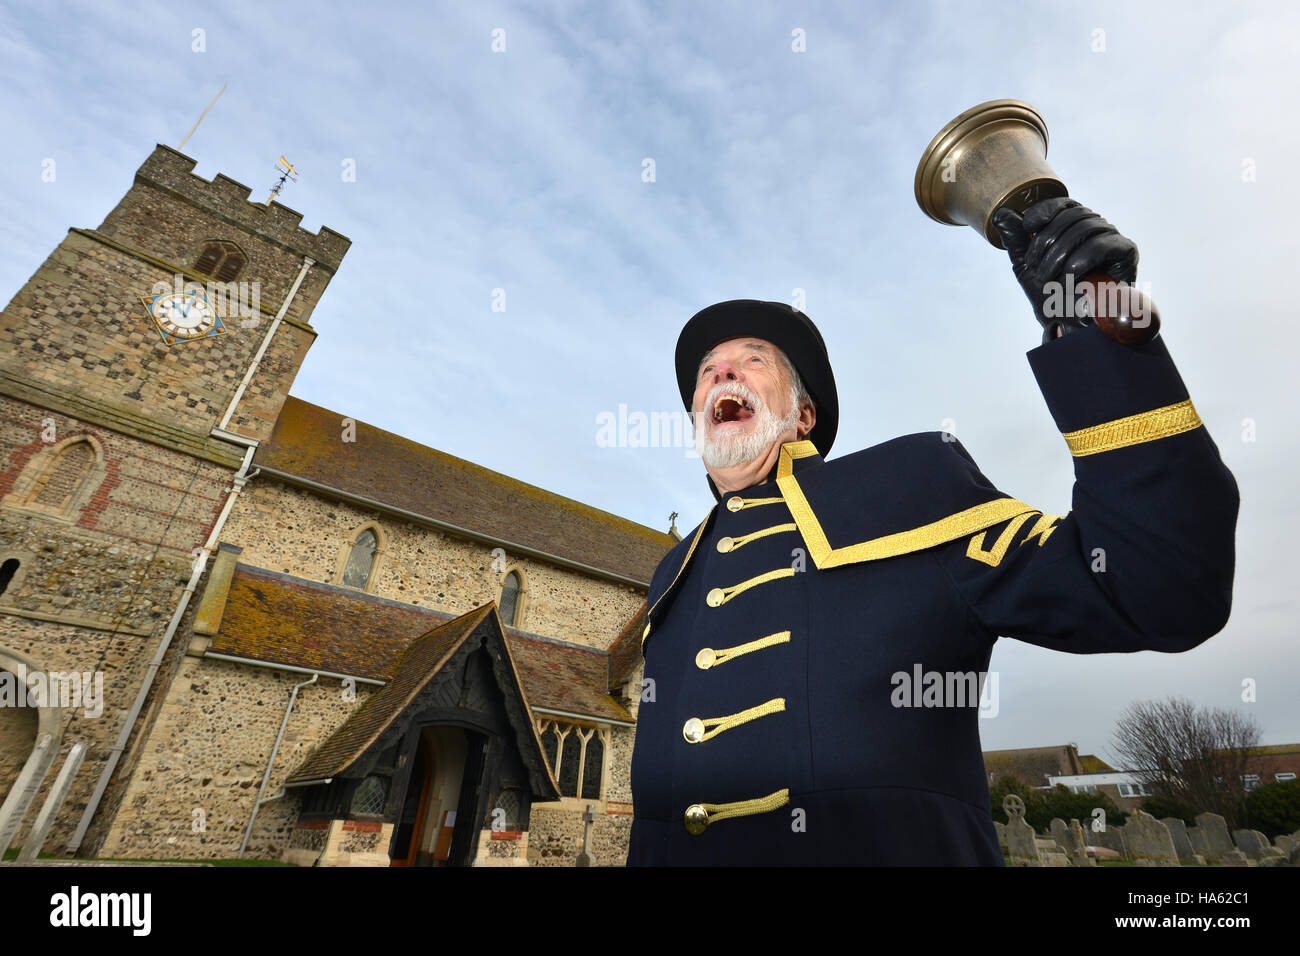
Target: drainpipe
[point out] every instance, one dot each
(240, 479)
(270, 334)
(257, 805)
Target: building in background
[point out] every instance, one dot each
(274, 628)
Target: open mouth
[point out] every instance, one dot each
(730, 409)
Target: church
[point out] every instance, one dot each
(237, 624)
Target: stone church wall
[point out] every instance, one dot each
(98, 584)
(298, 532)
(81, 316)
(555, 837)
(207, 753)
(555, 830)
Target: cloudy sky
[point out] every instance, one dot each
(525, 169)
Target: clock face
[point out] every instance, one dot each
(185, 315)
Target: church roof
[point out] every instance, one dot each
(420, 662)
(280, 619)
(405, 474)
(420, 666)
(625, 652)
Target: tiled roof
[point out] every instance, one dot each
(404, 474)
(563, 677)
(1031, 765)
(286, 620)
(625, 652)
(281, 619)
(1274, 749)
(1091, 763)
(418, 665)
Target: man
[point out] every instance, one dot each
(786, 719)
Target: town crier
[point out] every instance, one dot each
(773, 729)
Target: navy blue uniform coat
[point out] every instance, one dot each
(768, 731)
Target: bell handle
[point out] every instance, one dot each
(1120, 311)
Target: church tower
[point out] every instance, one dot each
(139, 367)
(106, 327)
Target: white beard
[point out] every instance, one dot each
(730, 450)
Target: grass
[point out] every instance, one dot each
(12, 854)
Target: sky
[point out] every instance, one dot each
(539, 195)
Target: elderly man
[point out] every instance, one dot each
(812, 647)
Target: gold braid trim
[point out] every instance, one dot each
(1133, 430)
(957, 525)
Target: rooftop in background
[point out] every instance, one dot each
(396, 471)
(280, 619)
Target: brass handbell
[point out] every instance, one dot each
(990, 156)
(995, 155)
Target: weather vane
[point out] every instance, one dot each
(287, 172)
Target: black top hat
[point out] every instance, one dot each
(788, 329)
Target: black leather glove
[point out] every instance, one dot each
(1055, 238)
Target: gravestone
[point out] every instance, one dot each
(1022, 850)
(1214, 829)
(1149, 842)
(1250, 842)
(1112, 838)
(1078, 849)
(1060, 833)
(1049, 854)
(1286, 843)
(1182, 843)
(1235, 858)
(588, 818)
(1001, 830)
(1071, 845)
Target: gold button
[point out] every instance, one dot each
(725, 545)
(714, 597)
(697, 818)
(706, 658)
(735, 503)
(693, 730)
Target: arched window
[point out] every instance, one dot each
(63, 476)
(508, 606)
(7, 571)
(593, 766)
(570, 763)
(550, 743)
(580, 767)
(224, 261)
(58, 480)
(361, 560)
